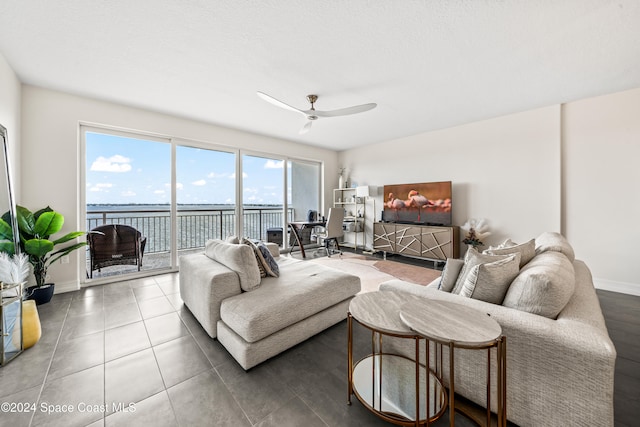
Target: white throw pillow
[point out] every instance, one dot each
(526, 250)
(490, 281)
(556, 242)
(544, 286)
(239, 258)
(471, 259)
(450, 274)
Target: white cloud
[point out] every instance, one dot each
(216, 175)
(233, 175)
(128, 193)
(101, 186)
(274, 164)
(199, 182)
(159, 192)
(115, 163)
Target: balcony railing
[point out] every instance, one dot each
(195, 226)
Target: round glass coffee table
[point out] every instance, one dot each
(394, 387)
(457, 326)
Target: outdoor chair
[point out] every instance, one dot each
(115, 244)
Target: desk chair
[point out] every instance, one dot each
(333, 231)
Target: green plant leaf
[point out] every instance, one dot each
(69, 236)
(6, 232)
(38, 247)
(48, 223)
(7, 246)
(65, 251)
(26, 220)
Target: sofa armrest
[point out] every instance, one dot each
(204, 284)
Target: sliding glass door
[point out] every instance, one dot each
(128, 182)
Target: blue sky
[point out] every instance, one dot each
(124, 170)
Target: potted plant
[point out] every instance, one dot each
(35, 228)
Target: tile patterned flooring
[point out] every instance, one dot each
(130, 354)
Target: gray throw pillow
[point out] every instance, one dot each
(526, 250)
(471, 259)
(544, 286)
(450, 274)
(490, 281)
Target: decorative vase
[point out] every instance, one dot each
(341, 182)
(41, 295)
(31, 328)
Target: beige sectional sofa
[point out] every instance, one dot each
(560, 363)
(254, 317)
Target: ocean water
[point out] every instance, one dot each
(195, 223)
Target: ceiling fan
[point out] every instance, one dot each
(312, 114)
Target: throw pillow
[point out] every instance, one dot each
(270, 265)
(266, 263)
(471, 259)
(526, 250)
(544, 286)
(239, 258)
(450, 274)
(232, 239)
(490, 281)
(556, 242)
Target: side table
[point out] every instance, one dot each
(391, 386)
(457, 326)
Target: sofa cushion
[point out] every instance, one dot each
(490, 281)
(556, 242)
(239, 258)
(302, 290)
(543, 286)
(450, 274)
(526, 250)
(471, 259)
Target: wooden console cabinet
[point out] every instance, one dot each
(418, 241)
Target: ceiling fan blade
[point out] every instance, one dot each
(346, 111)
(306, 127)
(278, 103)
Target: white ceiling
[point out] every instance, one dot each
(428, 64)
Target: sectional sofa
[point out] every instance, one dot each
(560, 359)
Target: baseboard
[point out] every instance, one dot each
(621, 287)
(62, 287)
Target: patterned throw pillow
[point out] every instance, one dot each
(270, 265)
(471, 259)
(266, 263)
(490, 281)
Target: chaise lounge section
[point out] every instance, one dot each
(254, 317)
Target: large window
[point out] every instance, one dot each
(179, 194)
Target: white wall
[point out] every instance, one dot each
(572, 169)
(506, 170)
(602, 181)
(10, 91)
(50, 152)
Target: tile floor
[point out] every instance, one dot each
(130, 354)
